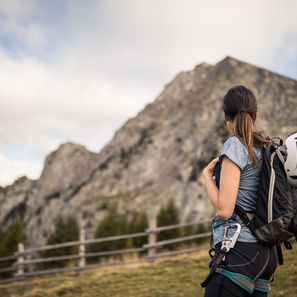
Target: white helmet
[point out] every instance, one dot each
(291, 161)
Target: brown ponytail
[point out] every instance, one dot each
(240, 106)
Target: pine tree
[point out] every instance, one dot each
(137, 224)
(66, 229)
(13, 236)
(2, 236)
(113, 224)
(188, 231)
(168, 215)
(9, 243)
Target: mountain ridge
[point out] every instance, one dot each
(155, 155)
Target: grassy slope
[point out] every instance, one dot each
(175, 277)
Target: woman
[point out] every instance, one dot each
(240, 159)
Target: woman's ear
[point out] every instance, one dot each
(230, 125)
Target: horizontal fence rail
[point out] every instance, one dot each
(22, 258)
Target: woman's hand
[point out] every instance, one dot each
(209, 169)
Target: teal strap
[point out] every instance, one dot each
(245, 282)
(220, 222)
(263, 285)
(240, 279)
(231, 220)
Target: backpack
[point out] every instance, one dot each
(275, 219)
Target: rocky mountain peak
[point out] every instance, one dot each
(66, 167)
(156, 155)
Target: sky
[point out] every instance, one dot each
(77, 70)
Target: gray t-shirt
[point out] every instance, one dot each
(247, 191)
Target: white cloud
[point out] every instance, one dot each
(82, 70)
(18, 8)
(41, 99)
(13, 169)
(17, 25)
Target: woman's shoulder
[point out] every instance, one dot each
(234, 142)
(235, 150)
(233, 139)
(234, 145)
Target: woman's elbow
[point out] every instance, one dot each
(224, 214)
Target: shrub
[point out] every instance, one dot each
(168, 215)
(138, 223)
(113, 224)
(66, 229)
(9, 244)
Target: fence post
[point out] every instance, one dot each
(20, 259)
(152, 236)
(82, 259)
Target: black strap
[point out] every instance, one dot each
(243, 216)
(217, 259)
(279, 254)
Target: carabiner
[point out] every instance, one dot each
(229, 242)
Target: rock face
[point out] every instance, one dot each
(156, 155)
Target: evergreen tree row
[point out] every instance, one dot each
(9, 244)
(67, 229)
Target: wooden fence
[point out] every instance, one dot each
(23, 257)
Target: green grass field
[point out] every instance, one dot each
(177, 276)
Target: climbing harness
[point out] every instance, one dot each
(262, 285)
(227, 244)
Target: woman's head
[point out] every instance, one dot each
(240, 108)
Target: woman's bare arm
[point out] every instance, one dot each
(223, 199)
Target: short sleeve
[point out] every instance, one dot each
(236, 151)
